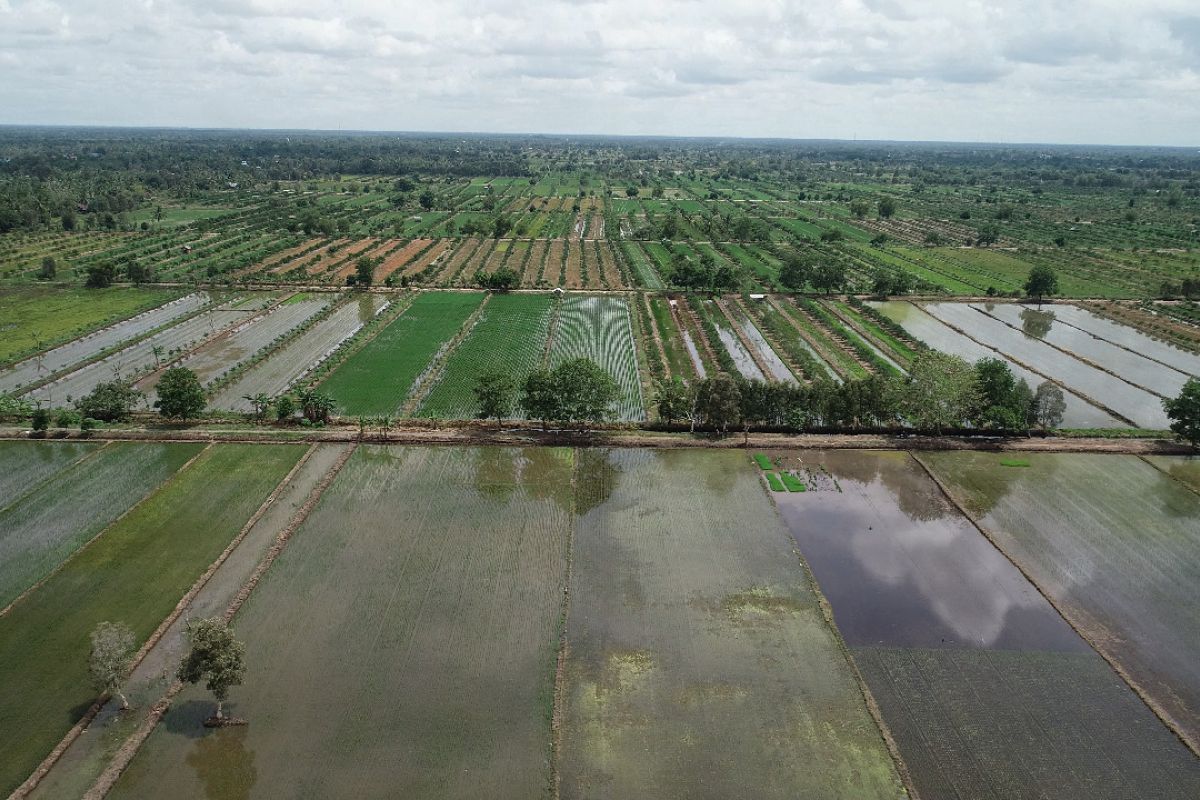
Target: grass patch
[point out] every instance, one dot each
(774, 482)
(793, 483)
(1013, 462)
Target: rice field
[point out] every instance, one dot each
(510, 338)
(24, 465)
(987, 690)
(599, 328)
(278, 373)
(410, 653)
(135, 572)
(1115, 541)
(33, 314)
(378, 378)
(49, 523)
(699, 664)
(1079, 412)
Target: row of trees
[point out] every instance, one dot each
(941, 392)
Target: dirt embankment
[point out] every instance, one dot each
(529, 435)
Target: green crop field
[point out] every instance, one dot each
(24, 465)
(29, 315)
(509, 338)
(599, 328)
(378, 378)
(134, 573)
(52, 521)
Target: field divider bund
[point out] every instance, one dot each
(867, 336)
(125, 754)
(1084, 359)
(697, 332)
(1094, 642)
(432, 374)
(551, 332)
(564, 647)
(798, 372)
(1170, 475)
(643, 299)
(77, 730)
(821, 317)
(1020, 363)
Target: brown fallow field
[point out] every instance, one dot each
(574, 275)
(533, 264)
(450, 266)
(427, 258)
(608, 266)
(554, 262)
(595, 226)
(345, 257)
(300, 260)
(398, 258)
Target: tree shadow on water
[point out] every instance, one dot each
(223, 764)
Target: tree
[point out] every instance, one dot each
(1042, 282)
(41, 419)
(1184, 412)
(829, 277)
(494, 393)
(285, 408)
(795, 273)
(180, 394)
(501, 280)
(501, 227)
(259, 403)
(364, 272)
(719, 402)
(112, 401)
(859, 208)
(49, 269)
(1005, 402)
(100, 276)
(1048, 405)
(578, 390)
(941, 392)
(426, 200)
(316, 407)
(988, 234)
(887, 207)
(672, 399)
(214, 656)
(113, 646)
(587, 390)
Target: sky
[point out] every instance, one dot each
(1062, 71)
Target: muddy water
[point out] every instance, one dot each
(1079, 413)
(1129, 337)
(741, 357)
(693, 353)
(902, 568)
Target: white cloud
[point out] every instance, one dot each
(1028, 70)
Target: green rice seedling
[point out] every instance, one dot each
(775, 483)
(763, 461)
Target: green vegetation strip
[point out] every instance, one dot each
(775, 483)
(378, 378)
(24, 464)
(763, 461)
(134, 573)
(793, 483)
(50, 316)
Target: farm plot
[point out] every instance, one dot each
(276, 375)
(91, 345)
(1114, 541)
(1128, 337)
(1134, 404)
(510, 338)
(1133, 367)
(766, 354)
(378, 378)
(987, 690)
(1184, 470)
(1078, 414)
(45, 526)
(33, 315)
(138, 359)
(24, 464)
(410, 653)
(599, 328)
(698, 661)
(742, 360)
(135, 572)
(213, 360)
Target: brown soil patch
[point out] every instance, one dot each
(428, 257)
(574, 274)
(398, 258)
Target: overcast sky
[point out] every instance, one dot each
(1088, 71)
